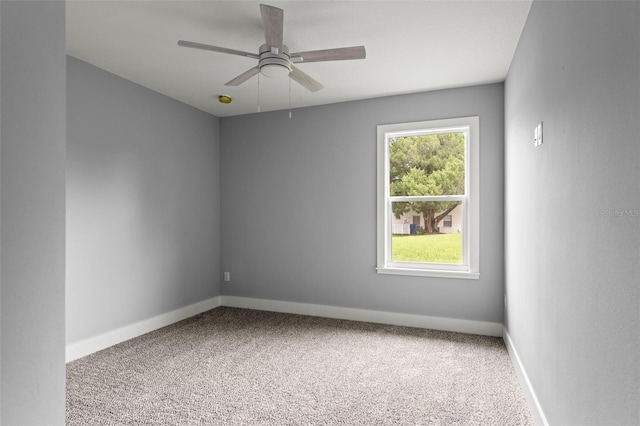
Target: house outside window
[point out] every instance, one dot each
(428, 198)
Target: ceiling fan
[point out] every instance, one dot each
(274, 59)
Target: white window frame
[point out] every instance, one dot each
(469, 269)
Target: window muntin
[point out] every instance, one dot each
(429, 169)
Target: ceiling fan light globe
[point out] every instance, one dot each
(274, 71)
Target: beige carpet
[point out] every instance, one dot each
(243, 367)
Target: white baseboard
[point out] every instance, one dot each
(534, 405)
(93, 344)
(380, 317)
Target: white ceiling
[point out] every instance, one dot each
(412, 46)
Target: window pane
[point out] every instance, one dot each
(427, 164)
(428, 241)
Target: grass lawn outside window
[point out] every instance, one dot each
(432, 248)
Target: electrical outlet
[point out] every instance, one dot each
(227, 276)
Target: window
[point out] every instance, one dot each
(428, 181)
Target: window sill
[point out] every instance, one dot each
(429, 273)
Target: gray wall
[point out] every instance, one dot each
(32, 181)
(299, 206)
(143, 203)
(572, 207)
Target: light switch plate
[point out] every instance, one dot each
(539, 133)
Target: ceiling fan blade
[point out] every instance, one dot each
(273, 21)
(339, 54)
(243, 77)
(305, 80)
(194, 45)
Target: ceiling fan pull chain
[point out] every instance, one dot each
(289, 98)
(258, 92)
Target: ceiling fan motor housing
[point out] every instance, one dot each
(274, 63)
